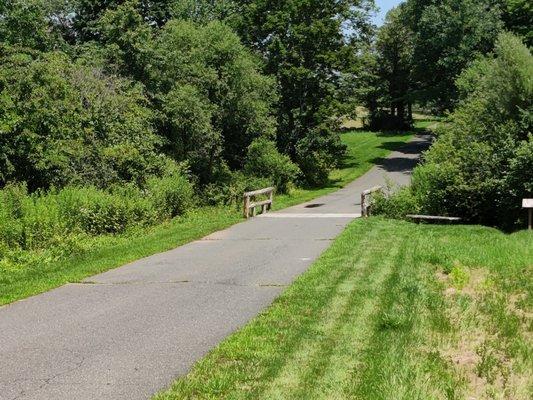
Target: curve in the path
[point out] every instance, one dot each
(127, 333)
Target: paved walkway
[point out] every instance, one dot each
(127, 333)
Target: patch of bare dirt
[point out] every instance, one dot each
(476, 283)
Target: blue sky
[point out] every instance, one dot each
(384, 5)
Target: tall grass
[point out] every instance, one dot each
(31, 221)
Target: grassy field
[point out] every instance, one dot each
(29, 273)
(392, 310)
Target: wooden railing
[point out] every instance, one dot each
(250, 202)
(366, 200)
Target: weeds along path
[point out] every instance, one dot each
(127, 333)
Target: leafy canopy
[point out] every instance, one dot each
(63, 123)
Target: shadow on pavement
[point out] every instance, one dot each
(402, 164)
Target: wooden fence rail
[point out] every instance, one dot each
(250, 202)
(366, 200)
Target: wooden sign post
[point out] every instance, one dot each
(528, 204)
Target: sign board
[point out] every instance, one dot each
(527, 203)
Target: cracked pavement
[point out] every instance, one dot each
(129, 332)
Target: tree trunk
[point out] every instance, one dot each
(400, 106)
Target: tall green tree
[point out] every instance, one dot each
(448, 35)
(306, 45)
(213, 99)
(394, 64)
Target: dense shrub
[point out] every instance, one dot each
(264, 160)
(395, 204)
(228, 187)
(318, 153)
(518, 182)
(12, 200)
(42, 219)
(170, 195)
(65, 124)
(480, 167)
(103, 213)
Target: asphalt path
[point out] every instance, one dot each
(129, 332)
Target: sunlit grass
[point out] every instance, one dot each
(90, 256)
(381, 315)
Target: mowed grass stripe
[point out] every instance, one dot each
(388, 312)
(345, 307)
(400, 332)
(332, 369)
(407, 333)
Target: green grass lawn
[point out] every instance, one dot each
(29, 273)
(392, 310)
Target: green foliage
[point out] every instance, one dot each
(395, 204)
(213, 99)
(449, 34)
(518, 18)
(308, 46)
(228, 187)
(390, 108)
(97, 212)
(23, 23)
(318, 153)
(155, 13)
(202, 11)
(480, 166)
(63, 124)
(264, 160)
(170, 195)
(425, 45)
(518, 180)
(46, 219)
(125, 38)
(191, 136)
(89, 12)
(205, 101)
